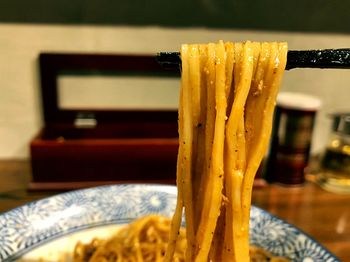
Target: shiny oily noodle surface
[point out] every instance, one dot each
(227, 100)
(145, 240)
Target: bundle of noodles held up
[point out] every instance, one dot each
(227, 100)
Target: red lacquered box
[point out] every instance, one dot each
(87, 147)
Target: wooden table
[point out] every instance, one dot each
(323, 215)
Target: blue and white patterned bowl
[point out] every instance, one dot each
(32, 225)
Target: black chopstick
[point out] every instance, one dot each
(327, 58)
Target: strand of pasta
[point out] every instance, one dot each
(255, 157)
(243, 75)
(200, 168)
(177, 217)
(211, 210)
(230, 159)
(219, 241)
(237, 175)
(228, 234)
(209, 129)
(257, 87)
(240, 234)
(215, 252)
(210, 115)
(187, 150)
(273, 78)
(240, 231)
(197, 112)
(194, 93)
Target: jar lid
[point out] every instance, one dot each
(298, 101)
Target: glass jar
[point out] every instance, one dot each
(335, 165)
(291, 138)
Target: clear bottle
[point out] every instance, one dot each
(334, 175)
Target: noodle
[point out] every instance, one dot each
(241, 85)
(145, 240)
(227, 99)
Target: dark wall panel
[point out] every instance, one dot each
(295, 15)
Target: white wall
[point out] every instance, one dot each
(20, 117)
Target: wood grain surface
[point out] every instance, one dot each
(323, 215)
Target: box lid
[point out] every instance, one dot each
(53, 64)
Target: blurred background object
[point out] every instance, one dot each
(114, 128)
(334, 174)
(291, 137)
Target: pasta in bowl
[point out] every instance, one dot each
(49, 229)
(146, 239)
